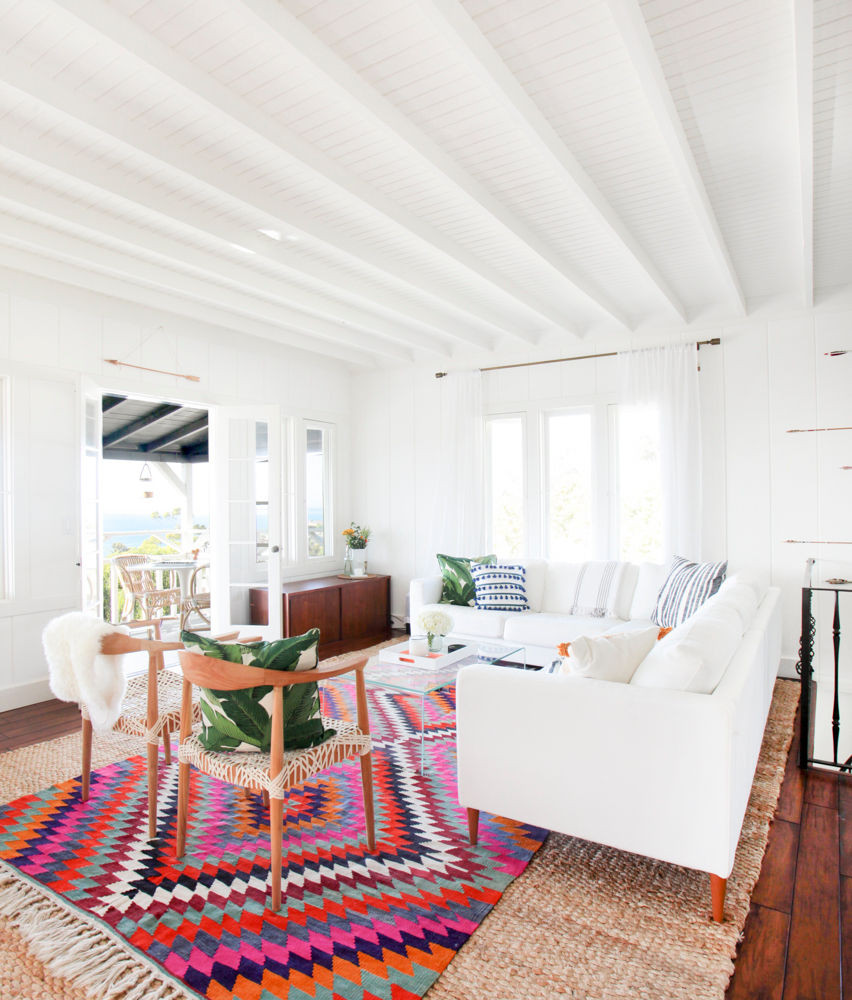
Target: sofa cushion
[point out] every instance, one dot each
(560, 586)
(545, 629)
(651, 577)
(500, 587)
(611, 657)
(471, 621)
(696, 654)
(686, 588)
(457, 581)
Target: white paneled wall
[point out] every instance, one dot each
(761, 485)
(52, 338)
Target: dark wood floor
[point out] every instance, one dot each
(797, 943)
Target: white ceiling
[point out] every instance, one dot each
(387, 181)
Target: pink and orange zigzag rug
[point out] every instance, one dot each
(354, 925)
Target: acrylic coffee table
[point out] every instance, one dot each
(419, 682)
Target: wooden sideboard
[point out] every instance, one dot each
(350, 613)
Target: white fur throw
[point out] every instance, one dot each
(78, 670)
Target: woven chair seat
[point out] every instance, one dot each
(251, 770)
(134, 708)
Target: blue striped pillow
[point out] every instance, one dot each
(687, 587)
(500, 588)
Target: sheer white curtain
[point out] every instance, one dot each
(460, 502)
(666, 379)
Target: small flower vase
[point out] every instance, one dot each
(347, 562)
(358, 561)
(435, 642)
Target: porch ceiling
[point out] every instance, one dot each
(135, 430)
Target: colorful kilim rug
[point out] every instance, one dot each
(353, 925)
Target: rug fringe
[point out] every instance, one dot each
(79, 952)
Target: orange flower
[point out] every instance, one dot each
(348, 531)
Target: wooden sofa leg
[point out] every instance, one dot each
(718, 885)
(473, 825)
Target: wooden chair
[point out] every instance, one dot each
(139, 585)
(274, 772)
(197, 602)
(150, 708)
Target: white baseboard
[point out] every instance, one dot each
(22, 695)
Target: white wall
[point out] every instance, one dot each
(53, 339)
(761, 485)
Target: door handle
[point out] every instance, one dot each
(275, 548)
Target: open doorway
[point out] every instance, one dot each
(155, 511)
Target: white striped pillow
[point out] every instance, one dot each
(596, 589)
(500, 587)
(687, 587)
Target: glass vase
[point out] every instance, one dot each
(436, 643)
(357, 559)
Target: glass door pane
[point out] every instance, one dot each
(246, 520)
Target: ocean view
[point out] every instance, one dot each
(120, 528)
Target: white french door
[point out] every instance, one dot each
(245, 519)
(91, 556)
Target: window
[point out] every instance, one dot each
(575, 484)
(318, 490)
(505, 444)
(640, 498)
(569, 529)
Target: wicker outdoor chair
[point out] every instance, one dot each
(197, 602)
(270, 774)
(139, 585)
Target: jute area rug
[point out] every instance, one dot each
(583, 921)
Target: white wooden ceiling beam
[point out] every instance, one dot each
(483, 59)
(352, 87)
(81, 276)
(803, 34)
(54, 244)
(16, 74)
(630, 23)
(94, 221)
(199, 86)
(429, 322)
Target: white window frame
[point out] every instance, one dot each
(328, 484)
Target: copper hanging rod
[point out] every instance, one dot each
(816, 430)
(804, 541)
(579, 357)
(157, 371)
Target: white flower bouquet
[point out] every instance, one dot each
(434, 623)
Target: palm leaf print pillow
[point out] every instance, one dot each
(457, 586)
(242, 720)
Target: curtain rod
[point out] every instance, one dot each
(580, 357)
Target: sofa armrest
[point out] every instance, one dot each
(423, 590)
(640, 769)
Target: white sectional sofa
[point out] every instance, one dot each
(661, 766)
(550, 591)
